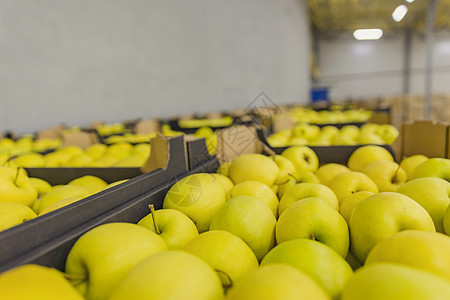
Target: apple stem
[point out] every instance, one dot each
(152, 212)
(312, 236)
(228, 285)
(17, 175)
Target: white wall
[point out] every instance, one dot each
(76, 61)
(357, 69)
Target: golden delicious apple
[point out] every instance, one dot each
(62, 192)
(224, 252)
(42, 187)
(394, 282)
(321, 263)
(254, 167)
(349, 203)
(313, 218)
(381, 215)
(346, 184)
(199, 196)
(433, 167)
(387, 175)
(410, 163)
(37, 283)
(302, 157)
(93, 183)
(170, 275)
(276, 281)
(432, 194)
(224, 181)
(363, 156)
(305, 190)
(300, 176)
(15, 186)
(30, 160)
(12, 214)
(428, 251)
(328, 171)
(286, 167)
(101, 258)
(258, 190)
(250, 219)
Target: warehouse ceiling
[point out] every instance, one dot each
(349, 15)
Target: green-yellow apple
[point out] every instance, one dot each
(96, 151)
(37, 283)
(300, 176)
(224, 181)
(254, 167)
(198, 196)
(258, 190)
(172, 225)
(305, 190)
(56, 159)
(224, 168)
(297, 141)
(395, 282)
(307, 131)
(328, 171)
(370, 138)
(286, 167)
(388, 133)
(170, 275)
(302, 157)
(79, 161)
(321, 263)
(12, 214)
(278, 140)
(431, 193)
(100, 258)
(60, 193)
(349, 203)
(363, 156)
(59, 204)
(343, 140)
(350, 130)
(387, 175)
(428, 251)
(433, 167)
(41, 186)
(381, 215)
(224, 252)
(329, 130)
(250, 219)
(369, 128)
(447, 221)
(313, 218)
(410, 163)
(346, 184)
(277, 281)
(93, 183)
(15, 186)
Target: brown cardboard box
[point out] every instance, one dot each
(147, 126)
(430, 138)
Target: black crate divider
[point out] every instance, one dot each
(53, 253)
(20, 240)
(326, 154)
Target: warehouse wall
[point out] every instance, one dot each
(355, 69)
(76, 61)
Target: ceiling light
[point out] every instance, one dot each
(399, 13)
(368, 34)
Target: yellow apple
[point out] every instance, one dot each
(410, 163)
(60, 193)
(258, 190)
(387, 175)
(363, 156)
(12, 214)
(42, 187)
(328, 171)
(348, 183)
(59, 204)
(254, 167)
(93, 183)
(349, 203)
(15, 186)
(302, 157)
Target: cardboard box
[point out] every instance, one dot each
(430, 138)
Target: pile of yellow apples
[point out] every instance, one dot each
(334, 116)
(23, 198)
(313, 135)
(25, 144)
(279, 227)
(98, 155)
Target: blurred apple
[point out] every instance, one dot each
(388, 133)
(394, 282)
(12, 214)
(30, 160)
(101, 258)
(277, 281)
(170, 275)
(93, 183)
(254, 167)
(224, 168)
(60, 193)
(433, 167)
(15, 186)
(42, 187)
(61, 203)
(410, 163)
(302, 157)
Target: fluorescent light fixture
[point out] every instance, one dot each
(399, 13)
(409, 1)
(368, 34)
